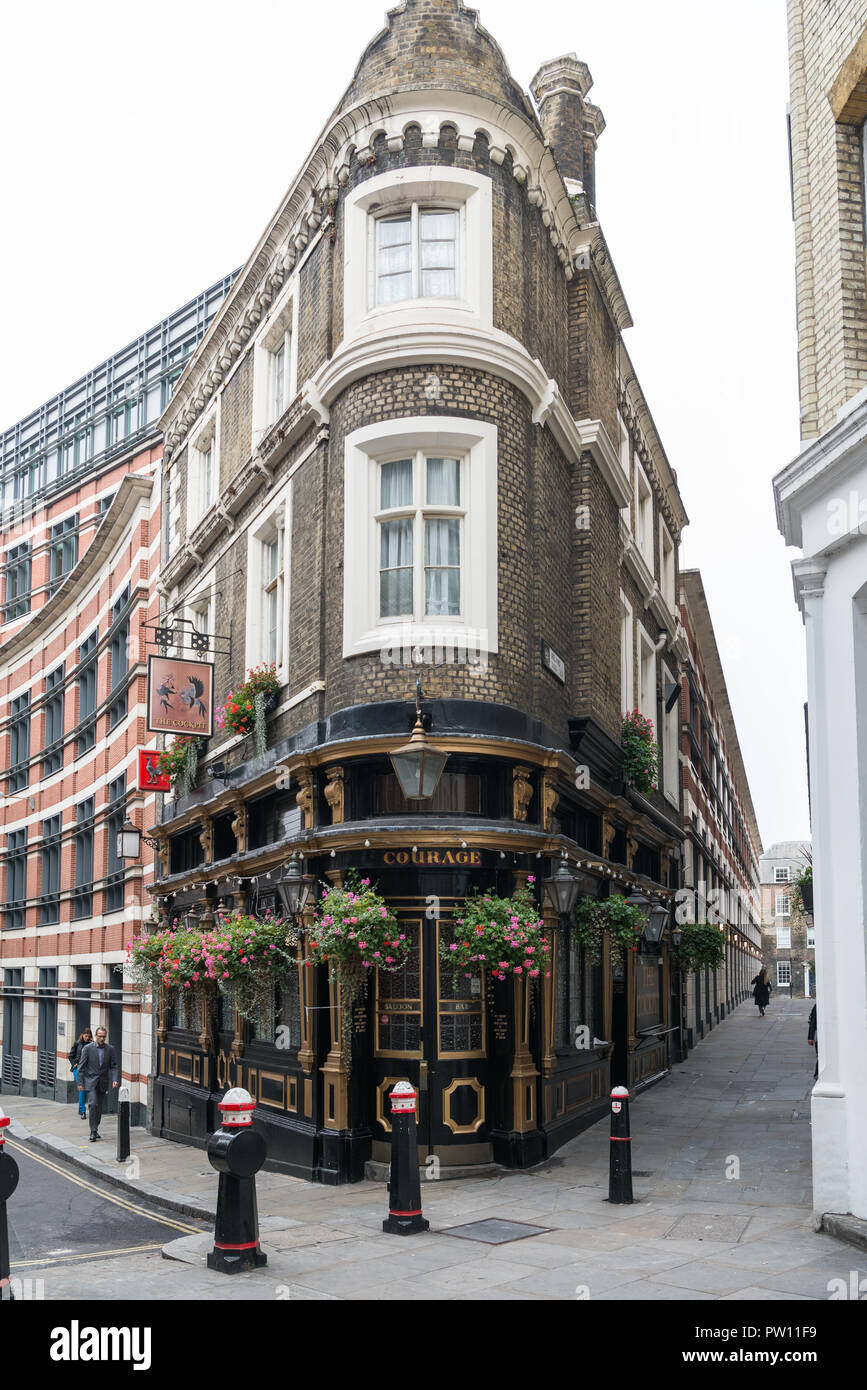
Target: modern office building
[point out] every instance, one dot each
(80, 482)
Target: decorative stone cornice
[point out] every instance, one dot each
(486, 350)
(590, 251)
(648, 446)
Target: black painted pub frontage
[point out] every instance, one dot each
(503, 1079)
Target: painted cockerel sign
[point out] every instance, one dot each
(180, 696)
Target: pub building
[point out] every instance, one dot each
(411, 465)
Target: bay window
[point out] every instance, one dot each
(423, 567)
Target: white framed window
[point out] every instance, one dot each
(203, 469)
(646, 676)
(627, 679)
(784, 974)
(420, 526)
(784, 938)
(811, 938)
(200, 611)
(624, 447)
(782, 905)
(275, 361)
(782, 875)
(416, 254)
(644, 515)
(420, 560)
(268, 589)
(666, 566)
(419, 247)
(670, 740)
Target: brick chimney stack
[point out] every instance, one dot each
(572, 125)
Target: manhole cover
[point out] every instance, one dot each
(494, 1231)
(707, 1226)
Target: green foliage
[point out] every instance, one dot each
(640, 752)
(701, 945)
(622, 921)
(181, 761)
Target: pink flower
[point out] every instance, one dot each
(531, 878)
(453, 947)
(364, 882)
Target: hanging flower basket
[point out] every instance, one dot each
(701, 945)
(355, 933)
(239, 955)
(640, 752)
(181, 761)
(623, 922)
(500, 937)
(803, 889)
(246, 708)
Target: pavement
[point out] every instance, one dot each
(722, 1210)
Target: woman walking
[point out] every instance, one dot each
(74, 1057)
(762, 990)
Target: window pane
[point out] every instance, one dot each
(444, 482)
(395, 580)
(438, 244)
(396, 484)
(442, 585)
(393, 259)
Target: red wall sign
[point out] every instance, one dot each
(149, 778)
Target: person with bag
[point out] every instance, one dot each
(762, 990)
(73, 1058)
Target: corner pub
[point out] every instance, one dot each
(414, 416)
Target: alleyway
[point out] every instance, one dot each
(722, 1210)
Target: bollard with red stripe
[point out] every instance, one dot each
(237, 1151)
(8, 1184)
(404, 1188)
(620, 1162)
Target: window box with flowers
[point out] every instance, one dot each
(246, 708)
(640, 752)
(499, 937)
(180, 762)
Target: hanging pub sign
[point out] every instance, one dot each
(150, 779)
(180, 696)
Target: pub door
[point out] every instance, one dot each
(432, 1031)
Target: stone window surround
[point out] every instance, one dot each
(644, 498)
(670, 741)
(207, 433)
(462, 189)
(275, 518)
(280, 322)
(647, 648)
(476, 443)
(627, 675)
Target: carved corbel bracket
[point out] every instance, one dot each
(522, 792)
(304, 797)
(550, 800)
(239, 826)
(335, 793)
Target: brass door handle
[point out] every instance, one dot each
(422, 1076)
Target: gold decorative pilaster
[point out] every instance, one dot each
(334, 793)
(524, 1073)
(522, 792)
(549, 1057)
(162, 1013)
(238, 1039)
(334, 1078)
(306, 976)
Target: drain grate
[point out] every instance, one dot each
(707, 1226)
(495, 1231)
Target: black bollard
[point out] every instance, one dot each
(620, 1163)
(8, 1184)
(237, 1152)
(123, 1124)
(404, 1187)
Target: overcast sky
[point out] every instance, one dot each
(145, 147)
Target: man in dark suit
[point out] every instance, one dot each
(96, 1066)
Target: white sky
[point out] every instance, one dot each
(145, 146)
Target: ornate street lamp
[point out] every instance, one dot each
(293, 889)
(129, 840)
(417, 766)
(562, 889)
(656, 913)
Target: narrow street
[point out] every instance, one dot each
(722, 1205)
